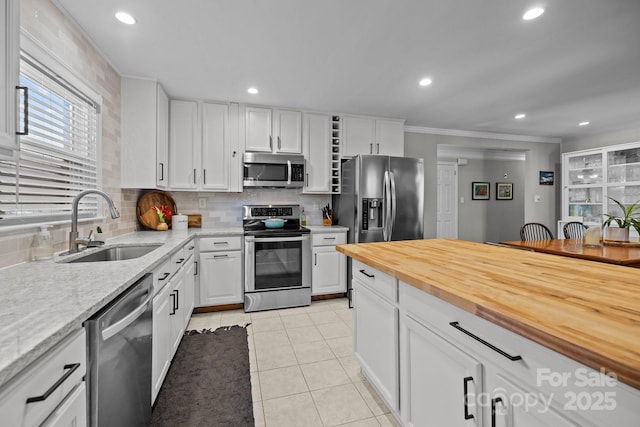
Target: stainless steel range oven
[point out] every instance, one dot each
(277, 258)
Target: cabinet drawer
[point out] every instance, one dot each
(327, 239)
(178, 258)
(162, 275)
(189, 249)
(379, 282)
(222, 243)
(66, 361)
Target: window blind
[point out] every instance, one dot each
(58, 157)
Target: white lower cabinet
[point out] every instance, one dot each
(428, 360)
(51, 390)
(329, 267)
(375, 341)
(220, 275)
(172, 308)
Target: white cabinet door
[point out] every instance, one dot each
(220, 278)
(188, 300)
(389, 138)
(9, 74)
(161, 343)
(359, 135)
(176, 315)
(328, 273)
(316, 138)
(287, 131)
(258, 135)
(145, 127)
(72, 412)
(512, 406)
(375, 342)
(162, 142)
(184, 144)
(440, 382)
(216, 157)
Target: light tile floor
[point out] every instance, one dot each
(303, 373)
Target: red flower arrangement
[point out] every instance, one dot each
(164, 213)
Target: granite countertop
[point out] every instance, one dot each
(588, 311)
(44, 301)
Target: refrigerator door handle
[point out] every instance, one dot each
(387, 207)
(392, 180)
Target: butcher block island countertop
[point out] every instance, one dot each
(585, 310)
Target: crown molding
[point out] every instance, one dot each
(486, 135)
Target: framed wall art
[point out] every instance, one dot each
(504, 190)
(479, 191)
(546, 177)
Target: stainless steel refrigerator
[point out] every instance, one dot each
(382, 199)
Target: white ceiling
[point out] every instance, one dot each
(579, 61)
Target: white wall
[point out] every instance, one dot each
(539, 157)
(601, 140)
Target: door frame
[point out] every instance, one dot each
(455, 198)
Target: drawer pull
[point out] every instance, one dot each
(329, 238)
(221, 256)
(371, 276)
(191, 248)
(164, 276)
(467, 415)
(180, 261)
(493, 410)
(220, 243)
(480, 340)
(71, 369)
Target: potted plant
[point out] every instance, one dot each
(626, 220)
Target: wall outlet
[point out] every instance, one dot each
(202, 203)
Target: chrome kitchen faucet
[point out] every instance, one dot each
(74, 240)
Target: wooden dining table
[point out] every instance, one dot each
(628, 256)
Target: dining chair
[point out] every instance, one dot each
(573, 230)
(535, 231)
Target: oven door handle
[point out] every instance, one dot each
(277, 239)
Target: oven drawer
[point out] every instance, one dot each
(222, 243)
(328, 239)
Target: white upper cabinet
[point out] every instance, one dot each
(273, 131)
(184, 143)
(9, 73)
(316, 139)
(366, 135)
(203, 146)
(145, 134)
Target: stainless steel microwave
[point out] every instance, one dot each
(273, 170)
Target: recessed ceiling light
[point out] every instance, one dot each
(520, 116)
(252, 91)
(532, 13)
(425, 81)
(125, 18)
(583, 123)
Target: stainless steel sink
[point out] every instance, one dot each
(117, 253)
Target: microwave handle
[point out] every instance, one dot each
(288, 171)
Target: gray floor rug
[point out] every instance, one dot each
(208, 383)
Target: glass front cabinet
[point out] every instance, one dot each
(591, 176)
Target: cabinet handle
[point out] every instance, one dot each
(71, 369)
(233, 154)
(493, 410)
(195, 271)
(161, 171)
(371, 148)
(329, 238)
(177, 299)
(173, 304)
(221, 256)
(368, 275)
(180, 261)
(480, 340)
(377, 148)
(25, 122)
(220, 243)
(270, 143)
(164, 276)
(204, 176)
(191, 248)
(315, 259)
(467, 415)
(306, 179)
(194, 176)
(279, 144)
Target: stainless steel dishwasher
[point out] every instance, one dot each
(119, 359)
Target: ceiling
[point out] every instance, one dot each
(580, 61)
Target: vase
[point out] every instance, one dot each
(617, 234)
